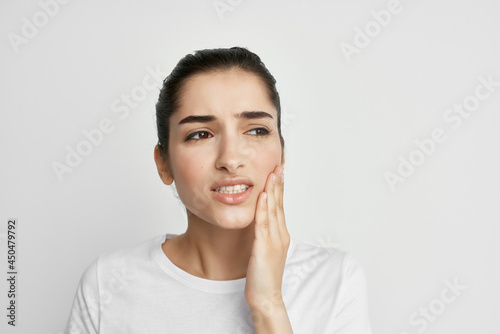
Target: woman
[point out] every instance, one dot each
(235, 269)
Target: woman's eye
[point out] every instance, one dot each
(195, 136)
(261, 131)
(198, 135)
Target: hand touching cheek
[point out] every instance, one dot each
(268, 255)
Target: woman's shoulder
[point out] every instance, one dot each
(304, 250)
(322, 260)
(123, 258)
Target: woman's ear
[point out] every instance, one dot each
(161, 164)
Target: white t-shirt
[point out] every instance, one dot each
(139, 290)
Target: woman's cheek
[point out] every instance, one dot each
(271, 156)
(267, 162)
(189, 174)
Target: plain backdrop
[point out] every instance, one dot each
(361, 83)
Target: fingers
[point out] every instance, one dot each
(279, 193)
(272, 209)
(279, 186)
(270, 217)
(261, 221)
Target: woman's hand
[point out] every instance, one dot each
(267, 260)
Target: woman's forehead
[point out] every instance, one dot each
(224, 94)
(224, 84)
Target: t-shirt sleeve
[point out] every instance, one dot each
(351, 316)
(84, 315)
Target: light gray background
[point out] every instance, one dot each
(345, 125)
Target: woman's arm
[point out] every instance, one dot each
(84, 316)
(267, 260)
(272, 319)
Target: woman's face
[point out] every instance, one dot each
(236, 138)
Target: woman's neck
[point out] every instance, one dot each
(211, 252)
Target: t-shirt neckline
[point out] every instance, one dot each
(203, 284)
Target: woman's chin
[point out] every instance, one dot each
(226, 219)
(234, 222)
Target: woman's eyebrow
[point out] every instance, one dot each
(198, 119)
(253, 114)
(211, 118)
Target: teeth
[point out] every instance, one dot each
(239, 188)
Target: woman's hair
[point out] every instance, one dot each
(204, 61)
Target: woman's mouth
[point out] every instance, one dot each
(239, 188)
(232, 195)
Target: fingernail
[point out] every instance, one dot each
(264, 197)
(280, 173)
(274, 179)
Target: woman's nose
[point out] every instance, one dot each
(233, 153)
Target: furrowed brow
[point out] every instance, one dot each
(211, 118)
(198, 119)
(253, 114)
